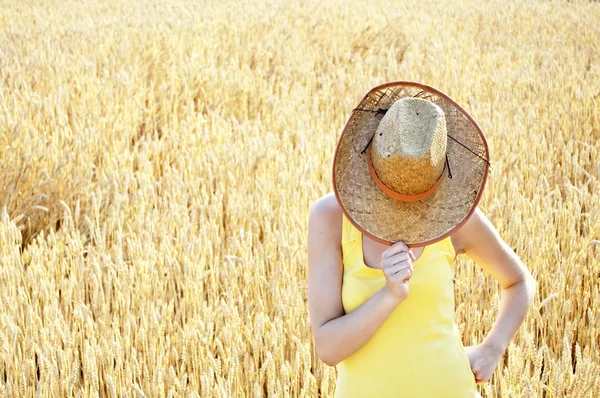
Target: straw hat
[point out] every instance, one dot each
(410, 165)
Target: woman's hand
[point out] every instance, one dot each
(396, 263)
(483, 359)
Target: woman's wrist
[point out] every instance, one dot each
(494, 346)
(388, 298)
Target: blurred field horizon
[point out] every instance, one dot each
(159, 160)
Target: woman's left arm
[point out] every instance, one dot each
(479, 240)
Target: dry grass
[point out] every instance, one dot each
(159, 159)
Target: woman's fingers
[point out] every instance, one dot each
(395, 259)
(402, 276)
(401, 271)
(412, 255)
(397, 262)
(396, 248)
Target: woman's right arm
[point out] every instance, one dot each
(338, 335)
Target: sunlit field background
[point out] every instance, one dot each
(159, 158)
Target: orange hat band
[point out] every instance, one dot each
(399, 196)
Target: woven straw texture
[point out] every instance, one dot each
(411, 137)
(420, 222)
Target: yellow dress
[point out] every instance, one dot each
(417, 352)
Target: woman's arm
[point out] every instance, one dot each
(481, 242)
(337, 335)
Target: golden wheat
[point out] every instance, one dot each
(159, 160)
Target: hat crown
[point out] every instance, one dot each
(409, 147)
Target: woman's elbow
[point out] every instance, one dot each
(525, 287)
(326, 356)
(531, 286)
(528, 287)
(325, 352)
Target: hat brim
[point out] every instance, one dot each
(424, 221)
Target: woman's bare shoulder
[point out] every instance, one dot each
(329, 203)
(326, 217)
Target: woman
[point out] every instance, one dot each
(408, 173)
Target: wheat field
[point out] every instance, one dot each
(159, 159)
